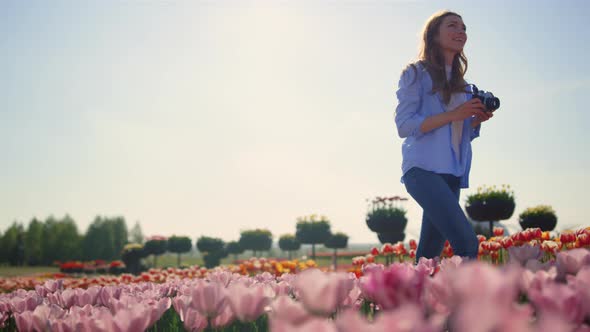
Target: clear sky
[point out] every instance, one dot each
(210, 117)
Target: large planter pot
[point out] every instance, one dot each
(393, 237)
(386, 221)
(490, 210)
(546, 222)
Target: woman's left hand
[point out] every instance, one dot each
(485, 116)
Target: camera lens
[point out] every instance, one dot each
(492, 103)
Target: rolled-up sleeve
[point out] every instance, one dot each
(407, 117)
(475, 131)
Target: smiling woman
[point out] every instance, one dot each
(438, 117)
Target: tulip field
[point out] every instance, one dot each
(527, 281)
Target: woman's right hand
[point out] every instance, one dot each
(469, 108)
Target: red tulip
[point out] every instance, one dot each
(375, 251)
(448, 251)
(498, 231)
(359, 260)
(507, 242)
(480, 238)
(413, 244)
(567, 237)
(495, 255)
(583, 240)
(495, 246)
(537, 233)
(387, 249)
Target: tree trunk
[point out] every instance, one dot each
(313, 251)
(289, 252)
(155, 259)
(178, 261)
(335, 259)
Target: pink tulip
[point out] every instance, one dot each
(68, 298)
(352, 299)
(24, 321)
(223, 319)
(221, 277)
(158, 308)
(406, 318)
(481, 297)
(288, 311)
(523, 253)
(535, 265)
(437, 294)
(247, 302)
(86, 296)
(450, 263)
(107, 293)
(27, 303)
(570, 262)
(475, 281)
(322, 292)
(486, 315)
(396, 285)
(194, 321)
(181, 305)
(558, 299)
(132, 319)
(551, 321)
(427, 264)
(208, 298)
(367, 268)
(352, 321)
(313, 324)
(52, 285)
(3, 318)
(283, 288)
(581, 285)
(537, 280)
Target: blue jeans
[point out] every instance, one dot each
(443, 218)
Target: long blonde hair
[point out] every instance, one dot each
(431, 57)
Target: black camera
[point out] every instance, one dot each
(491, 102)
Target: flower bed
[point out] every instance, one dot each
(539, 284)
(524, 295)
(251, 266)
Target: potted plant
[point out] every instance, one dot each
(541, 216)
(387, 218)
(491, 204)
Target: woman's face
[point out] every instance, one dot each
(452, 34)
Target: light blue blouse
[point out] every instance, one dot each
(432, 151)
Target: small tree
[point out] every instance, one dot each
(131, 255)
(312, 231)
(156, 246)
(212, 249)
(289, 243)
(234, 248)
(256, 240)
(337, 241)
(179, 245)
